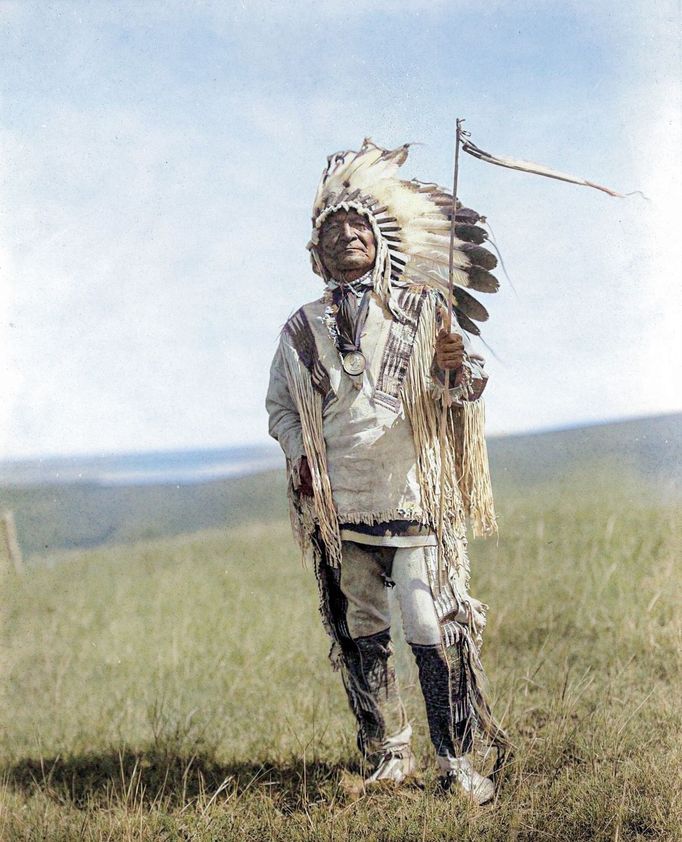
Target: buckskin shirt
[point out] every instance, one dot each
(370, 450)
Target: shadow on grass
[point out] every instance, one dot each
(172, 780)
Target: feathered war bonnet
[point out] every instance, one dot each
(411, 222)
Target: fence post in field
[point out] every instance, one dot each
(10, 551)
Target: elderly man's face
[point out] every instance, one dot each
(347, 245)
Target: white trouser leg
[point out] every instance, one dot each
(368, 656)
(362, 584)
(420, 621)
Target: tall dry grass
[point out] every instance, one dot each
(180, 689)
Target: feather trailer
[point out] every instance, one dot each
(466, 215)
(479, 256)
(471, 233)
(482, 281)
(466, 302)
(466, 324)
(411, 221)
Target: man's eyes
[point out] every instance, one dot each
(333, 229)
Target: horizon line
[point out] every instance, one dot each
(9, 460)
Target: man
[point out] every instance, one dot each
(379, 489)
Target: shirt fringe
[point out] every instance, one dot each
(370, 518)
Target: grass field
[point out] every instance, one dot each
(179, 689)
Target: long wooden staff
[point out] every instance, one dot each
(447, 324)
(510, 163)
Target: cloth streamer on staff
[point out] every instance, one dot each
(529, 166)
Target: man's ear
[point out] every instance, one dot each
(319, 265)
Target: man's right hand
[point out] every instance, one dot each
(306, 478)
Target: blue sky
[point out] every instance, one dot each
(160, 160)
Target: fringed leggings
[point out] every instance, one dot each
(354, 603)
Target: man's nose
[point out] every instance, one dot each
(347, 232)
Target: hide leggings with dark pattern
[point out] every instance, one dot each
(355, 606)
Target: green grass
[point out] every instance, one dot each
(179, 689)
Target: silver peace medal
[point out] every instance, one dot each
(354, 362)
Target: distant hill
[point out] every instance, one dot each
(55, 515)
(647, 449)
(73, 515)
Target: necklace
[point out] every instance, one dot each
(345, 319)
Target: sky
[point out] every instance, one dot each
(159, 162)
